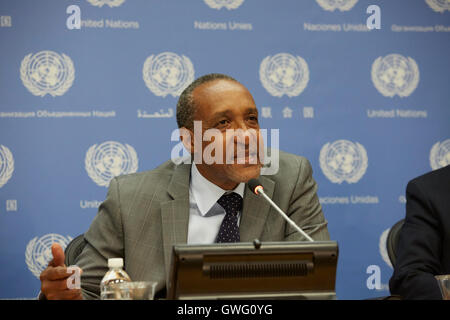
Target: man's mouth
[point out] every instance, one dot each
(251, 158)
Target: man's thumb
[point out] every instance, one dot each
(58, 255)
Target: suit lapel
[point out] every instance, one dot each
(255, 211)
(175, 213)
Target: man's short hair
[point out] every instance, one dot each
(186, 104)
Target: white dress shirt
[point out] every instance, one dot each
(205, 214)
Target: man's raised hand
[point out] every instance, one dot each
(57, 280)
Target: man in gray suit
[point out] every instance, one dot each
(146, 213)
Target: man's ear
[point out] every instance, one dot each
(187, 138)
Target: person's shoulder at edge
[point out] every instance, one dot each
(433, 178)
(432, 185)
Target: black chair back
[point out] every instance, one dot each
(392, 240)
(73, 249)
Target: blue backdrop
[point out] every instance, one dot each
(369, 109)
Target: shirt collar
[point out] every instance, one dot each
(206, 193)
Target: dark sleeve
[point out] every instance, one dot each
(418, 249)
(305, 209)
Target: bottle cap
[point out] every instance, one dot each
(115, 263)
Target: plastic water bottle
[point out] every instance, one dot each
(115, 275)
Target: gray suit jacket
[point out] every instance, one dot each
(146, 213)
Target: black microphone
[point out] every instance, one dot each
(258, 189)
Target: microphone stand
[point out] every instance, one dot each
(292, 223)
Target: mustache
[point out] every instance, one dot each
(244, 152)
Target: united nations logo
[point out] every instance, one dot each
(342, 5)
(382, 246)
(47, 72)
(440, 155)
(229, 4)
(395, 74)
(439, 5)
(284, 74)
(6, 165)
(39, 251)
(167, 73)
(343, 160)
(108, 160)
(110, 3)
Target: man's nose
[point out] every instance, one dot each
(240, 124)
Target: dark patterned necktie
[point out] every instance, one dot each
(229, 229)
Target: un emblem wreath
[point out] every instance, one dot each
(167, 73)
(110, 3)
(343, 160)
(440, 155)
(342, 5)
(395, 74)
(439, 5)
(219, 4)
(38, 252)
(383, 247)
(6, 165)
(284, 74)
(47, 72)
(108, 160)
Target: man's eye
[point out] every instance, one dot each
(222, 122)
